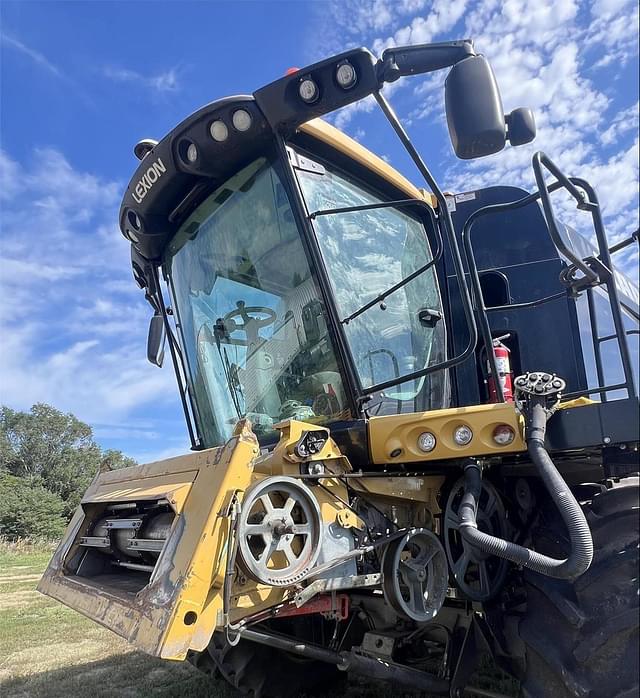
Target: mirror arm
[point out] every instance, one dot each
(399, 61)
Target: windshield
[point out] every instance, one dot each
(249, 313)
(366, 253)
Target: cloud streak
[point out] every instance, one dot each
(35, 56)
(164, 82)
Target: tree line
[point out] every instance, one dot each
(47, 460)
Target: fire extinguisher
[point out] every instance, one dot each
(503, 364)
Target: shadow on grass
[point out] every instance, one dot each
(130, 675)
(137, 675)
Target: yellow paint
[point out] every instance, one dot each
(395, 433)
(188, 577)
(576, 402)
(347, 146)
(192, 561)
(349, 519)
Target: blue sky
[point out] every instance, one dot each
(82, 82)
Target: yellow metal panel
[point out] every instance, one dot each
(347, 146)
(164, 616)
(173, 487)
(399, 433)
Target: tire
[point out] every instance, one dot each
(581, 637)
(265, 672)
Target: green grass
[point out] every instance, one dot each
(50, 651)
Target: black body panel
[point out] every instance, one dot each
(516, 248)
(615, 422)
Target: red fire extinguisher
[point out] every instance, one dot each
(503, 364)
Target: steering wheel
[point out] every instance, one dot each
(246, 313)
(249, 323)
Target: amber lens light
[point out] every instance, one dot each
(503, 435)
(426, 442)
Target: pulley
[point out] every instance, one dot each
(415, 575)
(279, 531)
(477, 574)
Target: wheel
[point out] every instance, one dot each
(265, 672)
(581, 637)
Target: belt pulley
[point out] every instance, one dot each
(279, 531)
(415, 575)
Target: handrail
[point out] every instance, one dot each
(539, 161)
(589, 203)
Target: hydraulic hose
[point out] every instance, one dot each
(581, 552)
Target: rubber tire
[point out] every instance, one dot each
(581, 637)
(265, 672)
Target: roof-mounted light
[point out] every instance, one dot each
(241, 120)
(308, 90)
(192, 152)
(219, 131)
(346, 75)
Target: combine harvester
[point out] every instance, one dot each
(371, 490)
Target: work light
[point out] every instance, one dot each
(462, 435)
(219, 131)
(241, 120)
(192, 152)
(426, 441)
(346, 75)
(308, 91)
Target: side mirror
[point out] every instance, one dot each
(474, 109)
(156, 340)
(521, 126)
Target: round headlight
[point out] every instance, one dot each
(503, 435)
(219, 131)
(241, 120)
(308, 91)
(192, 153)
(426, 442)
(346, 76)
(462, 435)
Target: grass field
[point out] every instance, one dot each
(49, 651)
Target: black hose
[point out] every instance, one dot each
(581, 553)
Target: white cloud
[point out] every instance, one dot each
(546, 54)
(74, 323)
(623, 122)
(166, 81)
(32, 54)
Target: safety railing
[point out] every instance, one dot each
(582, 274)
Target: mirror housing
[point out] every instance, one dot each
(474, 109)
(521, 126)
(156, 340)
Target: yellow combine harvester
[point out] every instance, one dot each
(370, 488)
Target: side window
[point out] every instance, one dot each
(366, 253)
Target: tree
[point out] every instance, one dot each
(54, 450)
(28, 511)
